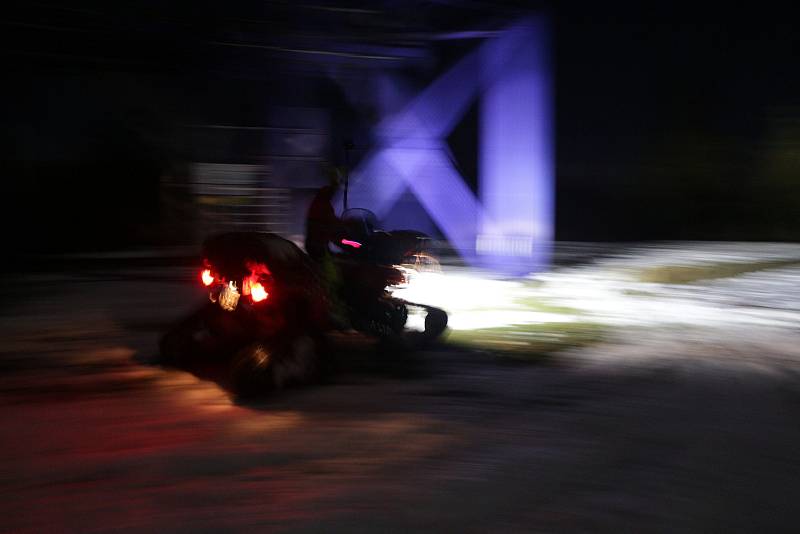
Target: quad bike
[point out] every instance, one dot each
(266, 314)
(270, 307)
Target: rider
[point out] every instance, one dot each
(322, 224)
(322, 228)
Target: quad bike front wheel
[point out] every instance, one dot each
(435, 324)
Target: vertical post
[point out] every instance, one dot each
(347, 146)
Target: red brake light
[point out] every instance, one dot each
(257, 292)
(253, 284)
(206, 277)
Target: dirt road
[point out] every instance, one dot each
(657, 428)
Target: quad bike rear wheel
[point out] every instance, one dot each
(205, 334)
(262, 367)
(187, 340)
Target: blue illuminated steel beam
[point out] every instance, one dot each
(511, 227)
(516, 156)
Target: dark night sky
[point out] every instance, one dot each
(669, 125)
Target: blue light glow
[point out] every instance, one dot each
(511, 227)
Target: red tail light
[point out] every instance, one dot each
(206, 277)
(257, 292)
(253, 285)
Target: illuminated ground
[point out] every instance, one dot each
(677, 409)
